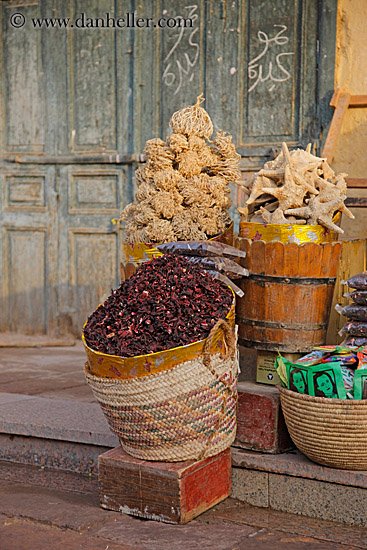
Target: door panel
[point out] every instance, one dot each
(24, 89)
(78, 105)
(93, 82)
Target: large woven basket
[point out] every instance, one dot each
(332, 432)
(187, 412)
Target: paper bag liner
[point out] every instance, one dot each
(114, 366)
(289, 233)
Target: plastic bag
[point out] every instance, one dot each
(223, 265)
(348, 377)
(358, 297)
(354, 328)
(228, 282)
(356, 312)
(201, 248)
(357, 281)
(354, 341)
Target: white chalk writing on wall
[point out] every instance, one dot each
(176, 70)
(277, 73)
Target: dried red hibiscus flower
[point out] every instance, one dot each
(167, 303)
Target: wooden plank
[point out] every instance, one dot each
(356, 202)
(76, 159)
(224, 58)
(336, 97)
(335, 126)
(23, 78)
(358, 101)
(309, 260)
(257, 251)
(171, 492)
(352, 261)
(356, 183)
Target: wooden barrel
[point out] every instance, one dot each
(135, 254)
(288, 294)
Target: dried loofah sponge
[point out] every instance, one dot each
(158, 154)
(167, 180)
(178, 143)
(189, 164)
(167, 204)
(186, 228)
(192, 121)
(183, 190)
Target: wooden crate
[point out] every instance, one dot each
(171, 492)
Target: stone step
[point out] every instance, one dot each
(290, 482)
(68, 436)
(54, 433)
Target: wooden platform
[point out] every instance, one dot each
(172, 492)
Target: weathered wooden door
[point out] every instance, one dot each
(78, 105)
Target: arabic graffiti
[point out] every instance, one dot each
(256, 70)
(181, 68)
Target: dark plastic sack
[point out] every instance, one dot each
(228, 282)
(358, 297)
(356, 312)
(223, 265)
(354, 341)
(201, 248)
(357, 281)
(354, 328)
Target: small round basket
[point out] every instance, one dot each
(331, 432)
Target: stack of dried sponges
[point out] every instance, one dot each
(183, 188)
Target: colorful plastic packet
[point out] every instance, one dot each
(358, 297)
(313, 358)
(326, 381)
(348, 377)
(353, 311)
(281, 368)
(297, 377)
(358, 281)
(360, 384)
(324, 354)
(362, 358)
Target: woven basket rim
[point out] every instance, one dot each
(325, 400)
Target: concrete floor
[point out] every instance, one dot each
(41, 508)
(55, 372)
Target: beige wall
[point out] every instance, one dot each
(351, 75)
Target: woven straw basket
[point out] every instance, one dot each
(187, 412)
(332, 432)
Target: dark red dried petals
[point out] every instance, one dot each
(167, 303)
